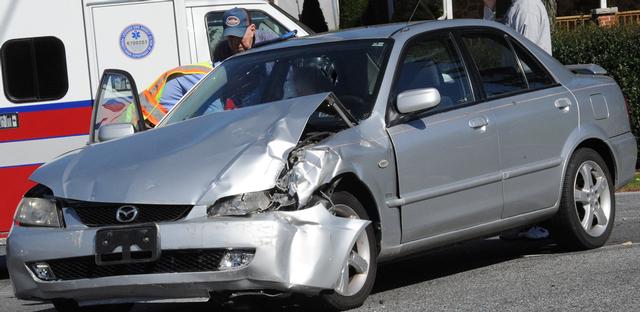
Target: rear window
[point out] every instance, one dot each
(537, 76)
(34, 69)
(496, 63)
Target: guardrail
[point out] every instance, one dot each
(571, 22)
(629, 17)
(622, 18)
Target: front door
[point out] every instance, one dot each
(447, 157)
(117, 102)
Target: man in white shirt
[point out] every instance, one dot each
(530, 18)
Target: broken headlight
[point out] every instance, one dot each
(38, 212)
(241, 205)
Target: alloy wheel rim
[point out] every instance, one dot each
(592, 198)
(355, 271)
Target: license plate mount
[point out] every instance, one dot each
(122, 245)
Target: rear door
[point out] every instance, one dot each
(138, 36)
(534, 115)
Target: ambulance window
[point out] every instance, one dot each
(34, 69)
(263, 21)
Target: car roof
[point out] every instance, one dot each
(399, 32)
(404, 31)
(383, 31)
(369, 32)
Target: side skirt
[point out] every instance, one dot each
(487, 229)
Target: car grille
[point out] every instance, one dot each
(170, 261)
(103, 214)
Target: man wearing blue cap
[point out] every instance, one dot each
(240, 34)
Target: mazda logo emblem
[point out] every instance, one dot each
(126, 214)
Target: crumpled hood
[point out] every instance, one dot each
(192, 162)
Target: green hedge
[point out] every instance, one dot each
(617, 49)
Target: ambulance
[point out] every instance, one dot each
(53, 53)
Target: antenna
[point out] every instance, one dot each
(414, 11)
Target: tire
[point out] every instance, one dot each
(70, 305)
(586, 214)
(360, 284)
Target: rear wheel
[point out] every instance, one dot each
(359, 273)
(587, 208)
(70, 305)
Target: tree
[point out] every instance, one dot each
(312, 16)
(625, 5)
(552, 10)
(577, 7)
(377, 12)
(426, 10)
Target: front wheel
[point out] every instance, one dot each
(587, 208)
(359, 273)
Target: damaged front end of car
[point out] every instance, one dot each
(261, 208)
(303, 182)
(322, 242)
(305, 172)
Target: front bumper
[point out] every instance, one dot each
(301, 251)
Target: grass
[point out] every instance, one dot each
(634, 186)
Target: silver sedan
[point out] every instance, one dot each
(298, 167)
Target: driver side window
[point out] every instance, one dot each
(433, 62)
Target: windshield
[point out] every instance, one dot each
(351, 70)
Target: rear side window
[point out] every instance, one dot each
(496, 63)
(537, 76)
(34, 69)
(263, 22)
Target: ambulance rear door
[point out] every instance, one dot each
(137, 36)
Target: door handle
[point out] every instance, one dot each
(479, 123)
(563, 104)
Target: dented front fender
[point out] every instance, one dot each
(319, 245)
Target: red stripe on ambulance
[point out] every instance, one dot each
(48, 124)
(17, 183)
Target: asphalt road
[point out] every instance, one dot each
(483, 275)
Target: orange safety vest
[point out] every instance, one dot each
(152, 109)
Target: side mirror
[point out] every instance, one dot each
(115, 131)
(417, 100)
